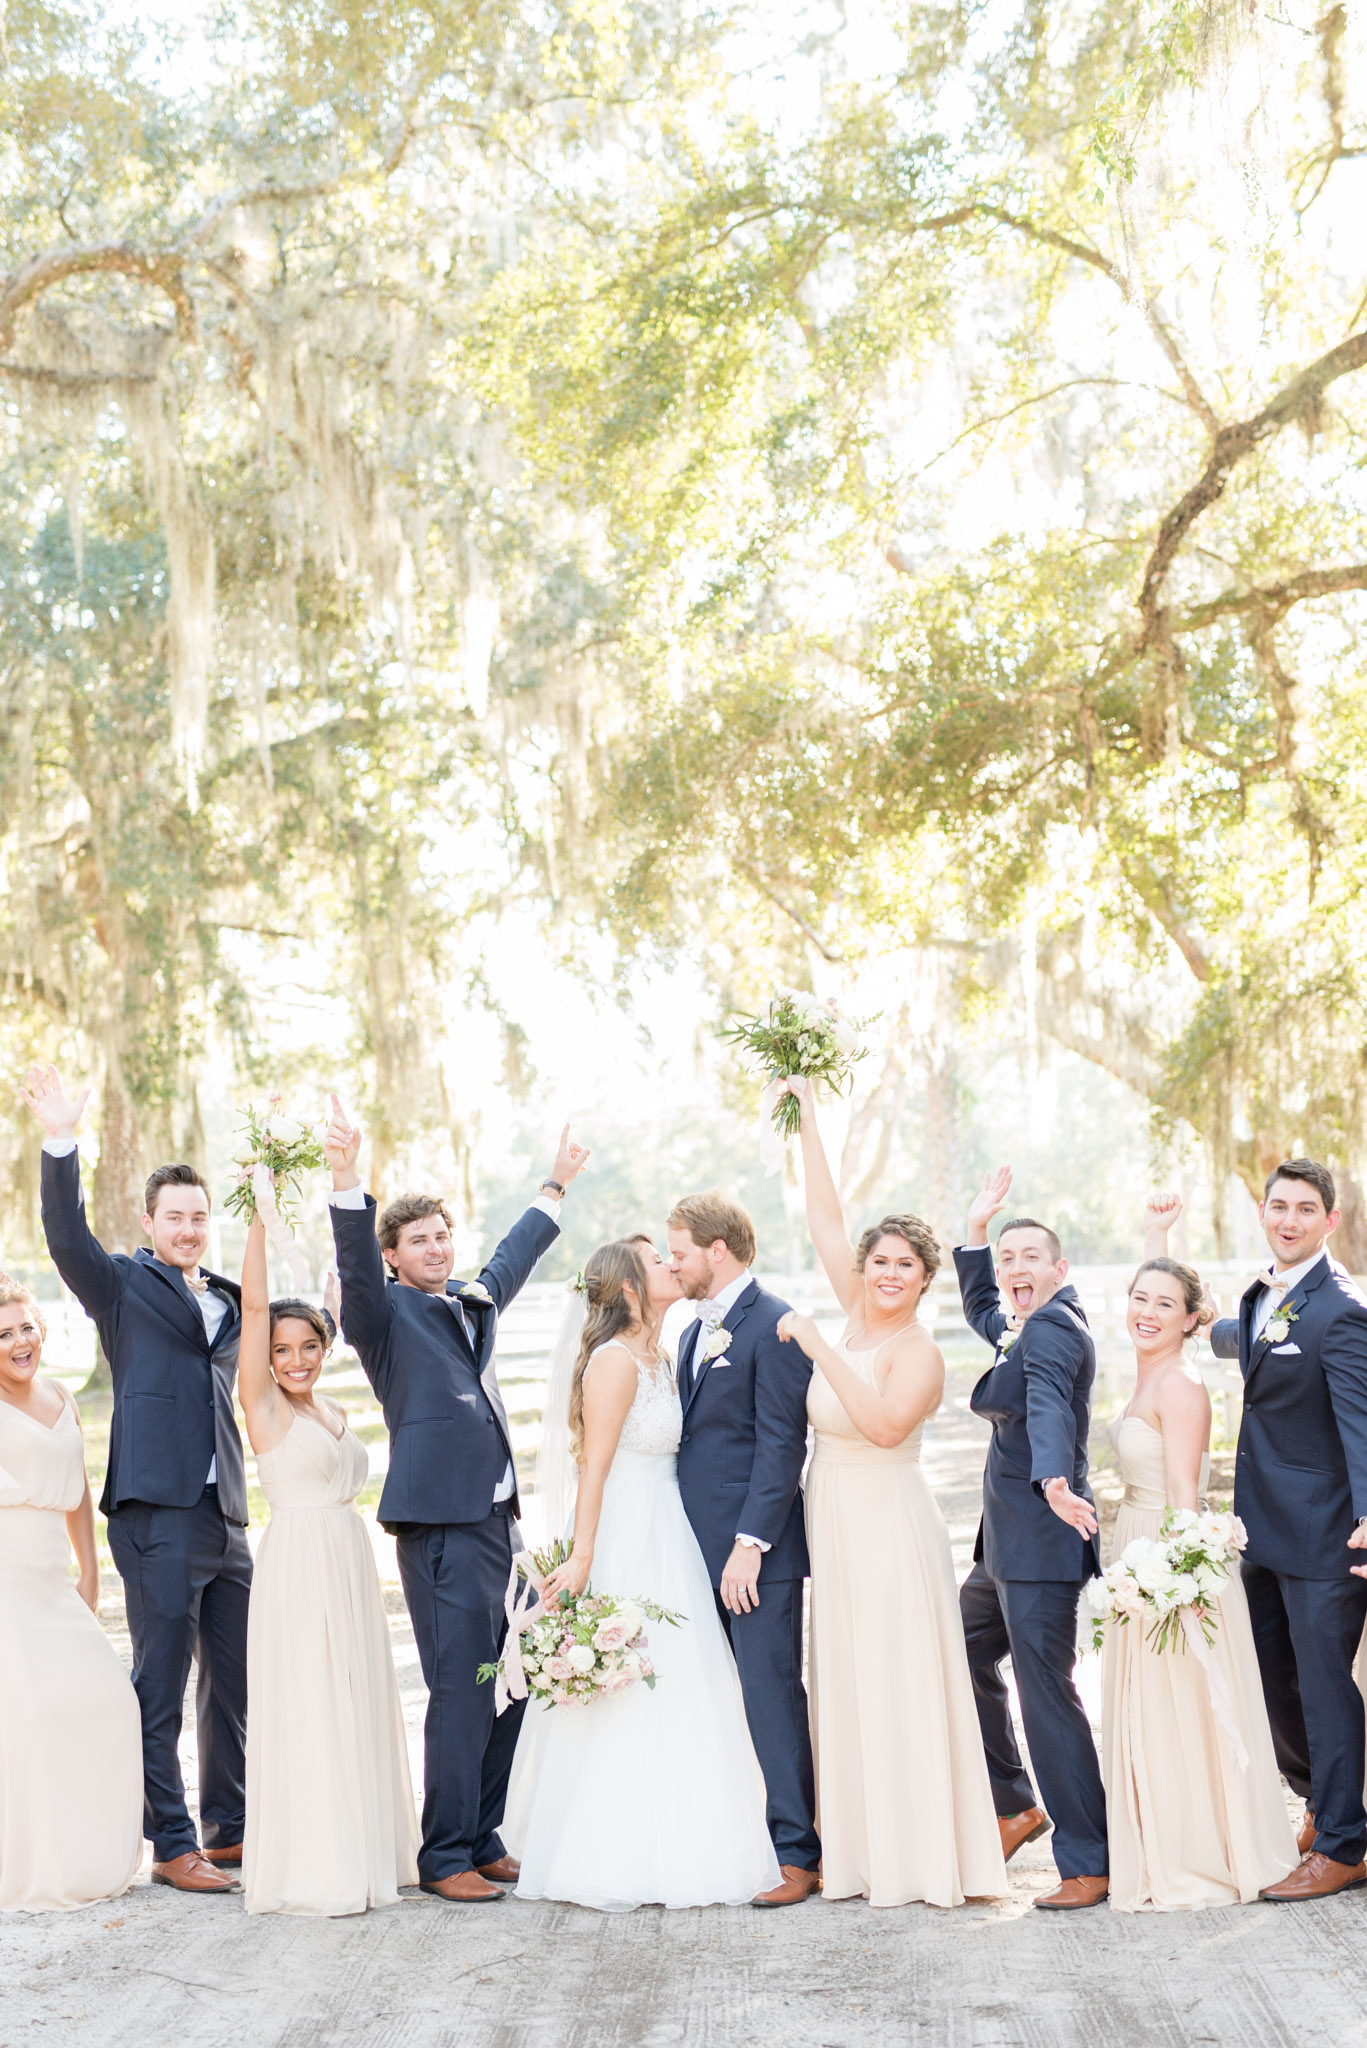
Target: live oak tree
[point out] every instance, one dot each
(979, 492)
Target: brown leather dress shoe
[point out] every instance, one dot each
(224, 1859)
(1019, 1828)
(1073, 1894)
(1305, 1840)
(797, 1885)
(191, 1873)
(463, 1888)
(506, 1870)
(1318, 1877)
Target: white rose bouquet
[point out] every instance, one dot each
(283, 1149)
(590, 1646)
(798, 1035)
(1158, 1581)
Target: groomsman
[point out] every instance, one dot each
(1037, 1545)
(176, 1491)
(1300, 1488)
(427, 1345)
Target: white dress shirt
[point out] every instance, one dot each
(213, 1307)
(354, 1198)
(1292, 1275)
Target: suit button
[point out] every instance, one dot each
(684, 1438)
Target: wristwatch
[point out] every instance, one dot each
(554, 1187)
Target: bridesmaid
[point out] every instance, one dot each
(1188, 1824)
(331, 1827)
(904, 1808)
(70, 1733)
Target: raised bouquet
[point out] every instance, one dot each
(281, 1148)
(589, 1646)
(798, 1035)
(1170, 1582)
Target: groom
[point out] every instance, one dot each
(1037, 1545)
(1300, 1488)
(176, 1492)
(426, 1344)
(744, 1397)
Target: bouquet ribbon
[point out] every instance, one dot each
(511, 1682)
(281, 1241)
(770, 1142)
(1221, 1699)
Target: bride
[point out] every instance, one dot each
(650, 1797)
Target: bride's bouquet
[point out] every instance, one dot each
(590, 1646)
(281, 1150)
(798, 1035)
(1169, 1583)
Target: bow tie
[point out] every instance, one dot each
(1273, 1280)
(197, 1282)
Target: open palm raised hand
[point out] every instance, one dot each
(51, 1104)
(990, 1197)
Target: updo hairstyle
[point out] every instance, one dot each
(913, 1231)
(289, 1310)
(12, 1291)
(1189, 1280)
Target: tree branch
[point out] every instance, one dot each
(753, 875)
(1274, 598)
(1232, 445)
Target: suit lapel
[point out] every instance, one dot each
(185, 1309)
(1295, 1300)
(463, 1314)
(732, 1321)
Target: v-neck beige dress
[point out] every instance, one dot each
(904, 1807)
(1188, 1825)
(331, 1826)
(70, 1735)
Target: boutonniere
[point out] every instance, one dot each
(719, 1341)
(474, 1290)
(1277, 1328)
(1007, 1338)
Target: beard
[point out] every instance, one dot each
(695, 1289)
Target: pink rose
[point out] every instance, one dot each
(559, 1667)
(610, 1635)
(618, 1681)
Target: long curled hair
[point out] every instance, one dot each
(611, 1268)
(1189, 1280)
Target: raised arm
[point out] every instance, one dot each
(84, 1264)
(513, 1261)
(609, 1388)
(1161, 1211)
(366, 1308)
(265, 1407)
(825, 1217)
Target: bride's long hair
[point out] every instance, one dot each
(606, 1273)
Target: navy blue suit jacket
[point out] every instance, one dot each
(173, 1392)
(430, 1359)
(1037, 1395)
(744, 1439)
(1300, 1477)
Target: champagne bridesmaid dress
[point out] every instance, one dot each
(904, 1808)
(1188, 1825)
(70, 1735)
(331, 1826)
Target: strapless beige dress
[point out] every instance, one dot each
(904, 1808)
(1187, 1825)
(70, 1734)
(331, 1826)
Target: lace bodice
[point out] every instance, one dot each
(654, 1421)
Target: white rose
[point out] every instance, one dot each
(283, 1130)
(581, 1659)
(631, 1617)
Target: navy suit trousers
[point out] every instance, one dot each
(187, 1576)
(1306, 1632)
(767, 1644)
(455, 1578)
(1034, 1622)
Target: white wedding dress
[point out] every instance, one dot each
(649, 1797)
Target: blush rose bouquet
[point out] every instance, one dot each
(589, 1646)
